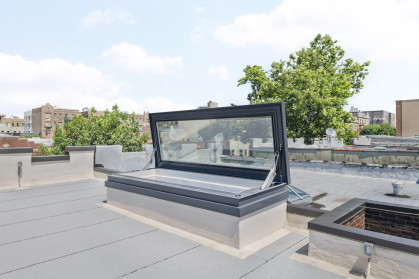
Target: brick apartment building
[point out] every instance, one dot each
(143, 123)
(407, 124)
(361, 119)
(142, 120)
(210, 104)
(27, 122)
(379, 117)
(11, 141)
(11, 125)
(46, 118)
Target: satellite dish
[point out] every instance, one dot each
(177, 134)
(330, 132)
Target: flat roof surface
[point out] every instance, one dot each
(63, 231)
(330, 190)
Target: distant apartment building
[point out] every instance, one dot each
(11, 125)
(361, 119)
(143, 123)
(45, 119)
(379, 117)
(27, 122)
(407, 123)
(210, 104)
(86, 112)
(142, 120)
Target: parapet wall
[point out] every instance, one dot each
(77, 165)
(367, 156)
(111, 157)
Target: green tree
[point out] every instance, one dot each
(383, 129)
(111, 128)
(233, 129)
(45, 150)
(315, 84)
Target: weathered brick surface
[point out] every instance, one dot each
(18, 142)
(399, 118)
(387, 222)
(358, 221)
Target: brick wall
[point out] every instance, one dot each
(388, 222)
(392, 223)
(399, 118)
(358, 221)
(6, 142)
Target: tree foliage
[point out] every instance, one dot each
(235, 129)
(111, 128)
(383, 129)
(45, 150)
(315, 84)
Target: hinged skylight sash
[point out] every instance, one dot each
(236, 141)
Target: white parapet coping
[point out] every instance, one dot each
(78, 165)
(111, 157)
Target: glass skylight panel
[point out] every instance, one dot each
(238, 142)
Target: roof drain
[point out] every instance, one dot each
(19, 172)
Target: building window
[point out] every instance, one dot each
(47, 124)
(60, 124)
(47, 115)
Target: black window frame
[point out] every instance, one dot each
(274, 110)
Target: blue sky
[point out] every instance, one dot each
(170, 55)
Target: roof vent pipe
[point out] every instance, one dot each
(398, 188)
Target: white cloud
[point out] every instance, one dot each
(126, 17)
(160, 104)
(157, 104)
(133, 58)
(384, 28)
(196, 34)
(199, 10)
(221, 71)
(26, 84)
(108, 17)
